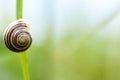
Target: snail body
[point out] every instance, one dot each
(17, 36)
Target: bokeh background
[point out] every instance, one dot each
(72, 40)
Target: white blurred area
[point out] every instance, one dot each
(62, 15)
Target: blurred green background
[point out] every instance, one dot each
(72, 40)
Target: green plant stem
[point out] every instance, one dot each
(19, 6)
(19, 12)
(24, 65)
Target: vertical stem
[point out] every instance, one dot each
(19, 12)
(19, 5)
(24, 65)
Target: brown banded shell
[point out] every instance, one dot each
(17, 37)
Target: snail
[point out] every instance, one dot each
(17, 36)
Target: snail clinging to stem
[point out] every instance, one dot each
(17, 36)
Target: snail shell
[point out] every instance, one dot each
(17, 37)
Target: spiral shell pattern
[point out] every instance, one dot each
(17, 37)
